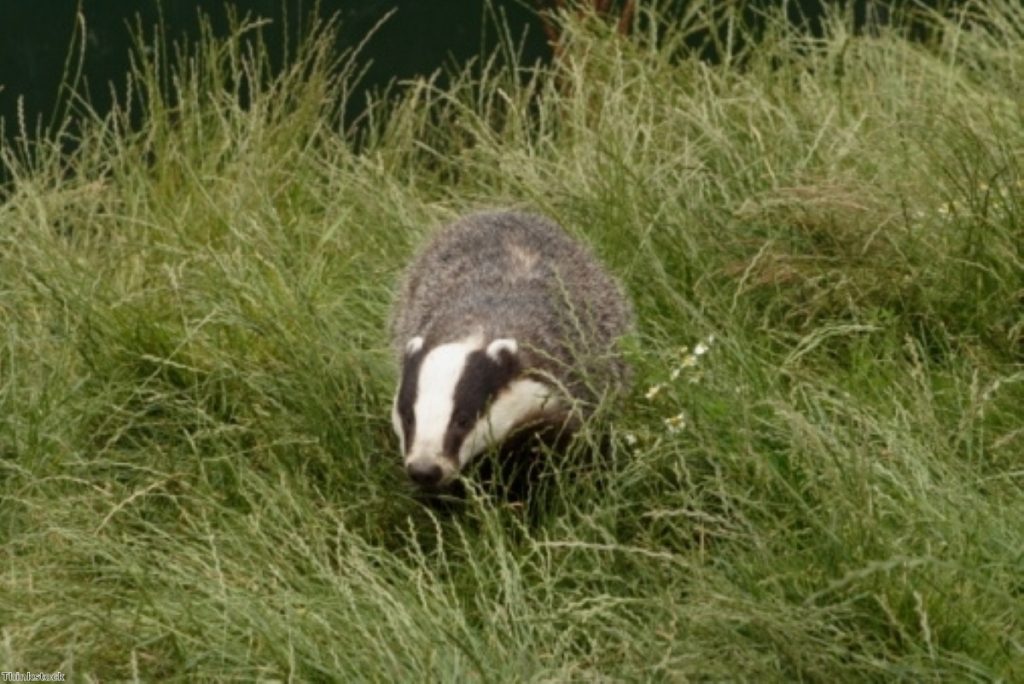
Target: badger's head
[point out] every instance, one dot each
(456, 399)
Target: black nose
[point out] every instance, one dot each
(424, 473)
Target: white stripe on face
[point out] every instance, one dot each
(396, 423)
(439, 373)
(522, 400)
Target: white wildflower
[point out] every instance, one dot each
(676, 423)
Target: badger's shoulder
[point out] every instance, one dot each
(510, 274)
(494, 247)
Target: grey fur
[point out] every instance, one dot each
(519, 275)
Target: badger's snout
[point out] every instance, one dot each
(425, 473)
(429, 468)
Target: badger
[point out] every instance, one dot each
(503, 323)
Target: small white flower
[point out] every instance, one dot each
(676, 423)
(675, 373)
(630, 438)
(689, 362)
(654, 391)
(700, 350)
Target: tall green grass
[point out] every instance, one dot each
(197, 473)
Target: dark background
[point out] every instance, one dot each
(419, 38)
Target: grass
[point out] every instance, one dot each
(197, 473)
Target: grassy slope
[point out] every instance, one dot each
(196, 467)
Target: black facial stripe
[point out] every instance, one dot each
(482, 379)
(407, 390)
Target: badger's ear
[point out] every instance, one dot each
(501, 346)
(413, 345)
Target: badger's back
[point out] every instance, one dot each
(517, 275)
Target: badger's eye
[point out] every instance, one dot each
(462, 421)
